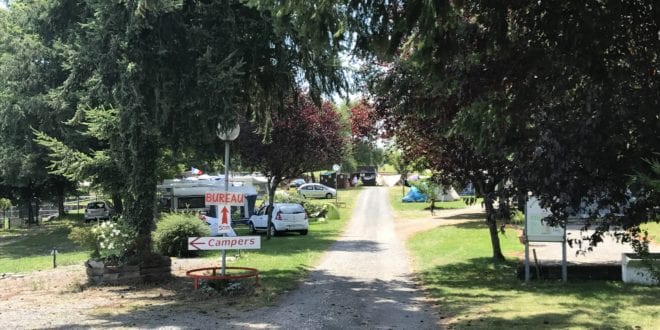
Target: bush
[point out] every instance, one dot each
(290, 198)
(172, 232)
(310, 208)
(109, 241)
(85, 238)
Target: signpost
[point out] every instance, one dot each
(224, 243)
(538, 231)
(336, 168)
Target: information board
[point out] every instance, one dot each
(535, 229)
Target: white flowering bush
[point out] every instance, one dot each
(113, 239)
(109, 241)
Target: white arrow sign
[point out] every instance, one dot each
(224, 243)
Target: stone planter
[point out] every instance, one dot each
(156, 269)
(633, 269)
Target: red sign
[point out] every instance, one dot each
(224, 226)
(224, 198)
(224, 243)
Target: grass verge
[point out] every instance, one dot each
(455, 265)
(29, 249)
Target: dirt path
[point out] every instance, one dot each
(363, 282)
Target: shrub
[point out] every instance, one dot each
(109, 241)
(85, 238)
(310, 208)
(290, 198)
(172, 232)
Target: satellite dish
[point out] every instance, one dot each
(226, 134)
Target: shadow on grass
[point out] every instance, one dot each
(372, 304)
(39, 241)
(477, 284)
(469, 216)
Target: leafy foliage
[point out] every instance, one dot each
(304, 137)
(172, 232)
(557, 100)
(108, 240)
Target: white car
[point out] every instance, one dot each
(316, 190)
(286, 217)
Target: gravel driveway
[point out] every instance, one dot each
(363, 282)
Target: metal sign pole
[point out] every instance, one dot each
(564, 267)
(224, 252)
(526, 247)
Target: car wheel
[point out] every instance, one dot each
(252, 229)
(328, 195)
(303, 232)
(272, 230)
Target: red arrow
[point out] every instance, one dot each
(224, 215)
(194, 243)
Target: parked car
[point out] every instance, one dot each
(316, 190)
(99, 210)
(296, 183)
(286, 217)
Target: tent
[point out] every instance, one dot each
(414, 195)
(446, 195)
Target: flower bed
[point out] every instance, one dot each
(156, 269)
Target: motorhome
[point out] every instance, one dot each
(188, 194)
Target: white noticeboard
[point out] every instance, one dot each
(535, 229)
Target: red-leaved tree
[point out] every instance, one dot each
(302, 137)
(363, 122)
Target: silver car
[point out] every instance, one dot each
(316, 190)
(99, 210)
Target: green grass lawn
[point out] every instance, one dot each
(281, 261)
(285, 259)
(455, 265)
(420, 209)
(29, 249)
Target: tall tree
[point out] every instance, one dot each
(567, 93)
(304, 137)
(174, 71)
(29, 67)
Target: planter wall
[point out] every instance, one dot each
(633, 269)
(157, 269)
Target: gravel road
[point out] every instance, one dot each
(363, 281)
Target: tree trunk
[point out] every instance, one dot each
(492, 227)
(273, 183)
(60, 198)
(119, 205)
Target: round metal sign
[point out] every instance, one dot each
(335, 167)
